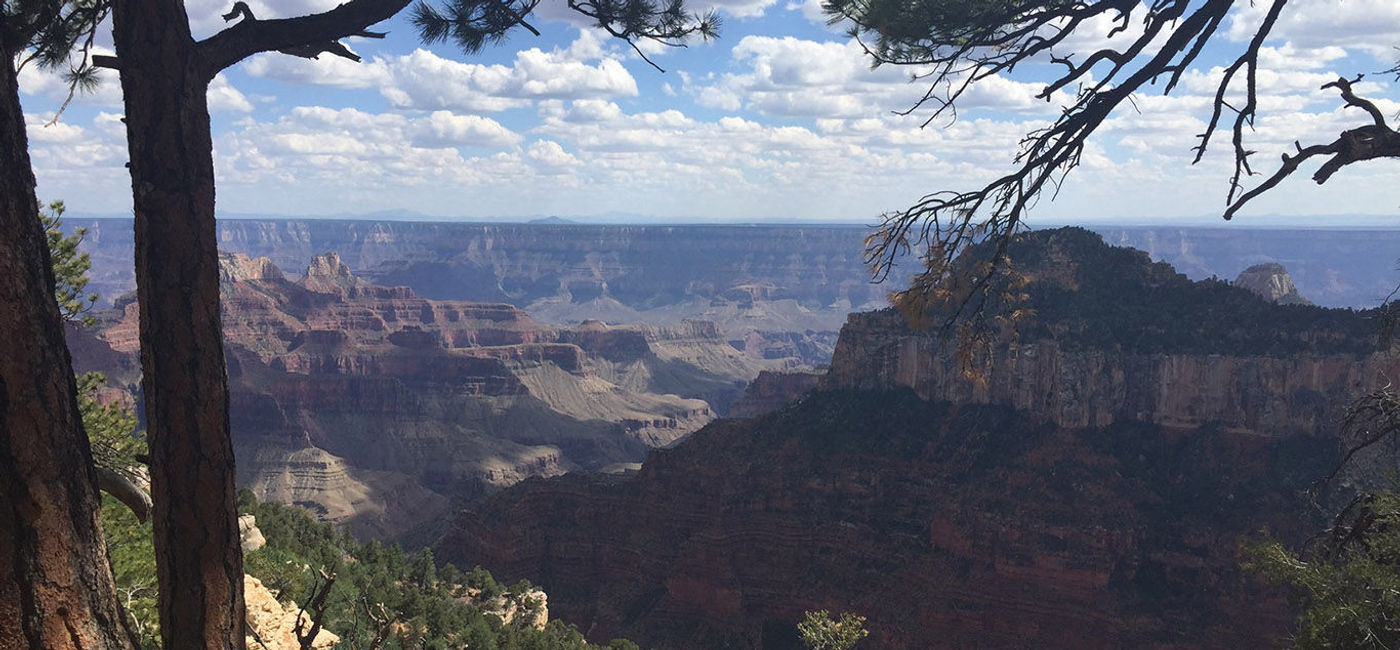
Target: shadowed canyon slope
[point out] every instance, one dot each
(1087, 487)
(374, 407)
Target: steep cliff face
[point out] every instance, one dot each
(1302, 393)
(375, 407)
(1116, 338)
(1087, 485)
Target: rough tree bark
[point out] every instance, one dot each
(198, 558)
(165, 76)
(56, 590)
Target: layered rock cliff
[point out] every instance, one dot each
(1086, 485)
(1115, 337)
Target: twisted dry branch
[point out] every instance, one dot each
(1366, 142)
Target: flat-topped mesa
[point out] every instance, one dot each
(1271, 282)
(1116, 337)
(569, 358)
(689, 328)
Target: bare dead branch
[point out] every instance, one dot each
(1343, 86)
(1366, 142)
(380, 619)
(310, 50)
(1368, 420)
(944, 224)
(317, 604)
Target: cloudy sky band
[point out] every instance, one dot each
(782, 118)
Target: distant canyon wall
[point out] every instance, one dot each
(640, 266)
(773, 290)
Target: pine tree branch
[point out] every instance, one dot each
(252, 36)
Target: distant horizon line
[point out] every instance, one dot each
(1337, 222)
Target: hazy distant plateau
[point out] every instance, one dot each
(804, 277)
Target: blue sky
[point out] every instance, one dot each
(780, 119)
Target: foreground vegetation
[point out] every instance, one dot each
(382, 597)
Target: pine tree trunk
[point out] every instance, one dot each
(199, 561)
(56, 590)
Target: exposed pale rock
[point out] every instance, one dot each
(508, 607)
(248, 534)
(273, 624)
(1271, 282)
(328, 265)
(237, 267)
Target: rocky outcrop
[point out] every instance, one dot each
(273, 625)
(771, 391)
(1271, 282)
(241, 268)
(249, 536)
(529, 608)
